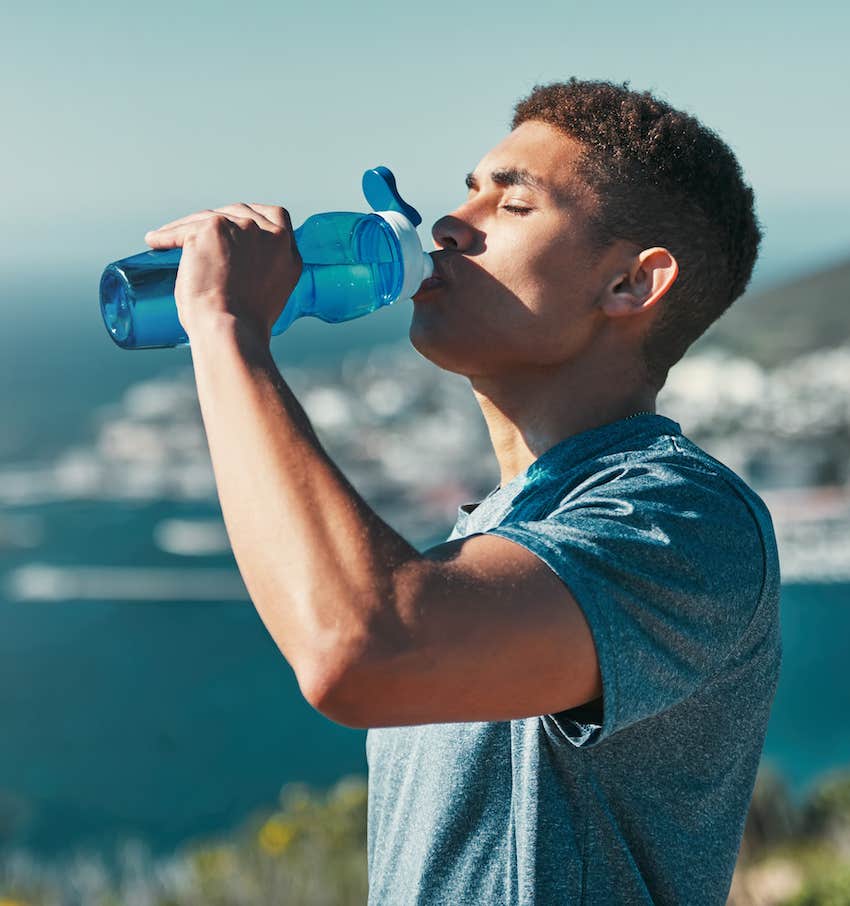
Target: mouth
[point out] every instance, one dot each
(429, 284)
(435, 281)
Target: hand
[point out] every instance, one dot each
(239, 261)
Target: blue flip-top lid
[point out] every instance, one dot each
(382, 194)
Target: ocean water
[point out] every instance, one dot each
(809, 735)
(173, 719)
(161, 719)
(141, 695)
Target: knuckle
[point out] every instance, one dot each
(217, 226)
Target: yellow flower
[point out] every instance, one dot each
(274, 836)
(7, 902)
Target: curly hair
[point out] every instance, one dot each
(661, 179)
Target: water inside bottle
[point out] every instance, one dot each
(147, 277)
(355, 266)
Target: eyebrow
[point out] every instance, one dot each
(512, 176)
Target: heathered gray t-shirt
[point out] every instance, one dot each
(673, 559)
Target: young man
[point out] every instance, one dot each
(568, 699)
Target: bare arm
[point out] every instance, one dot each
(319, 564)
(376, 633)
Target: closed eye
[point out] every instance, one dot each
(514, 209)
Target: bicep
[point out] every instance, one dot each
(491, 633)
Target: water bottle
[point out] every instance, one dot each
(353, 265)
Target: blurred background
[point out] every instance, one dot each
(155, 746)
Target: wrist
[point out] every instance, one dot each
(224, 325)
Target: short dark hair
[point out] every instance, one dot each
(661, 178)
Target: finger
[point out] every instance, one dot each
(262, 214)
(189, 218)
(275, 214)
(244, 211)
(175, 236)
(270, 217)
(240, 210)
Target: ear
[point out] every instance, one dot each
(650, 275)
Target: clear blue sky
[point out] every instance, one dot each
(118, 117)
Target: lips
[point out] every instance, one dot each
(430, 283)
(435, 280)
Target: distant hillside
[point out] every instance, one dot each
(781, 322)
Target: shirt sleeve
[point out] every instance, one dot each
(667, 562)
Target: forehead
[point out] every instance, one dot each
(549, 155)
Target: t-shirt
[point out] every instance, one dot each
(638, 797)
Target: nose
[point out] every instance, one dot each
(451, 232)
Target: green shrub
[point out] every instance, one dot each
(311, 851)
(830, 889)
(772, 818)
(827, 811)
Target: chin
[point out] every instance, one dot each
(451, 353)
(461, 350)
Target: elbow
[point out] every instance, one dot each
(332, 683)
(333, 693)
(350, 690)
(346, 686)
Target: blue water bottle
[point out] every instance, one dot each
(353, 265)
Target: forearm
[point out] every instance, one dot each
(321, 567)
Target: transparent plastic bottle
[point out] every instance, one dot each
(353, 265)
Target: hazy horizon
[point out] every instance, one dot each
(118, 123)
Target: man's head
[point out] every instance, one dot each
(632, 209)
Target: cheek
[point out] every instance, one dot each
(554, 287)
(517, 309)
(548, 316)
(529, 293)
(531, 268)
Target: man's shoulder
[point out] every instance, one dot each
(663, 483)
(694, 459)
(672, 476)
(669, 465)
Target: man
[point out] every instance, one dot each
(568, 699)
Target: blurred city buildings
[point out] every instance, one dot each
(412, 440)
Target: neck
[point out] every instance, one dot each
(529, 411)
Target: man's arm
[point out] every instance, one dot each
(377, 634)
(319, 564)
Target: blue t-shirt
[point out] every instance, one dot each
(639, 797)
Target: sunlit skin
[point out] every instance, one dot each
(377, 632)
(547, 331)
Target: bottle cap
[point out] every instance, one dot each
(417, 265)
(382, 194)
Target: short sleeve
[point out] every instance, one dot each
(666, 561)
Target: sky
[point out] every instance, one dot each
(120, 117)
